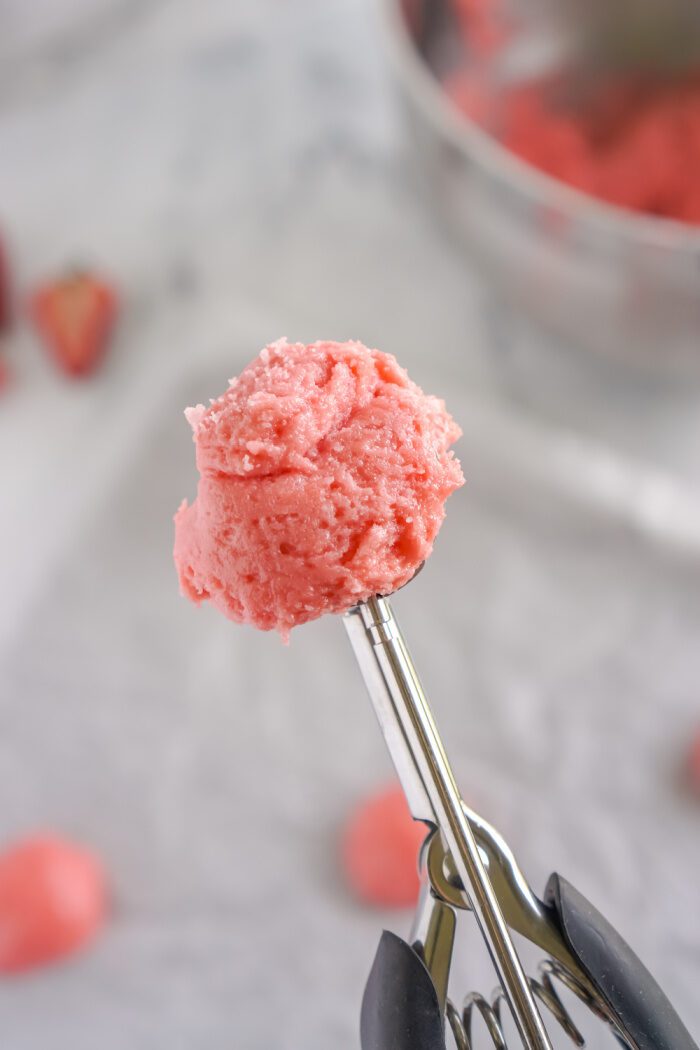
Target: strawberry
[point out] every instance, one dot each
(52, 901)
(75, 316)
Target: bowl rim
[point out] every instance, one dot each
(651, 231)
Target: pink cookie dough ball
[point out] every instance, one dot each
(323, 476)
(379, 850)
(53, 901)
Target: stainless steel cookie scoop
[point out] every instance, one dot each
(467, 865)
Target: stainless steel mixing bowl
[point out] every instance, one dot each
(624, 284)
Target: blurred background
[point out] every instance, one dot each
(433, 181)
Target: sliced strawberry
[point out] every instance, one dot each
(52, 901)
(75, 316)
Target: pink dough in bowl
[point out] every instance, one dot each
(323, 476)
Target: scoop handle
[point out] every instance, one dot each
(617, 973)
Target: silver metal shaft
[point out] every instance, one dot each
(426, 776)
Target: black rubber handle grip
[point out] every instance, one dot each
(618, 975)
(401, 1011)
(400, 1008)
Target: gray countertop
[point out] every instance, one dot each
(238, 169)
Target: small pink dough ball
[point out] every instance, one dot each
(52, 901)
(323, 476)
(379, 850)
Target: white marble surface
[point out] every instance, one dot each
(238, 168)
